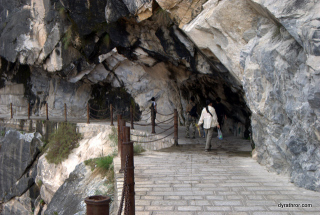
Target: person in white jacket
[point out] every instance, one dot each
(209, 120)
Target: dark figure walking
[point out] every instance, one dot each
(192, 115)
(153, 106)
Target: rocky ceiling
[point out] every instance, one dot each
(261, 57)
(77, 45)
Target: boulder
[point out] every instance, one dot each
(23, 204)
(17, 169)
(69, 198)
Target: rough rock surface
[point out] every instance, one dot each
(17, 169)
(271, 47)
(81, 183)
(22, 205)
(53, 176)
(261, 57)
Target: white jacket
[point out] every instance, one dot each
(205, 116)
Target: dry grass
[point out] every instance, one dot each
(62, 142)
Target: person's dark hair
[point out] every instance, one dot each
(152, 99)
(207, 105)
(218, 99)
(192, 98)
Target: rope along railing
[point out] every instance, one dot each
(125, 151)
(174, 128)
(151, 141)
(92, 114)
(136, 135)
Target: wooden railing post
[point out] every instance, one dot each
(122, 125)
(129, 159)
(65, 112)
(88, 114)
(47, 115)
(111, 115)
(131, 117)
(153, 123)
(11, 110)
(28, 110)
(119, 117)
(175, 127)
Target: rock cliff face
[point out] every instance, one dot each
(31, 185)
(272, 48)
(261, 57)
(18, 170)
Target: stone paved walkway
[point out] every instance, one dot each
(188, 181)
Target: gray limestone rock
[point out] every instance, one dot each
(23, 204)
(14, 33)
(114, 10)
(87, 15)
(17, 168)
(260, 57)
(281, 97)
(69, 198)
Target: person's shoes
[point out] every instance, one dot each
(193, 137)
(187, 137)
(206, 150)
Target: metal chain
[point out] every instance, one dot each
(153, 140)
(165, 114)
(127, 206)
(151, 135)
(124, 189)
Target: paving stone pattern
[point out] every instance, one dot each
(186, 180)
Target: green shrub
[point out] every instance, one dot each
(91, 163)
(62, 142)
(104, 163)
(138, 149)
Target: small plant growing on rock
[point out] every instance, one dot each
(138, 149)
(39, 183)
(62, 142)
(42, 202)
(104, 162)
(103, 165)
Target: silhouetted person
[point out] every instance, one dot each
(153, 106)
(192, 115)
